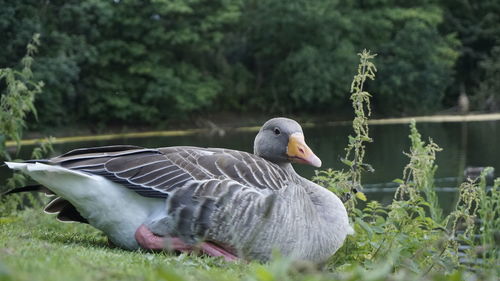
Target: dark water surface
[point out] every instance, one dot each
(464, 144)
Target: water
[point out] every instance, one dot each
(464, 144)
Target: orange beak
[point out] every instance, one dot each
(299, 152)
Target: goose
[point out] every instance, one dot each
(214, 201)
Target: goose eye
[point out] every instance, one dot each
(277, 131)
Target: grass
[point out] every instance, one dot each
(35, 246)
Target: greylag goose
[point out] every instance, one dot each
(220, 202)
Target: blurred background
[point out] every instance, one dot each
(162, 64)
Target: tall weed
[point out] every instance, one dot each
(410, 235)
(16, 102)
(346, 183)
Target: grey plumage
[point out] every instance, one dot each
(232, 198)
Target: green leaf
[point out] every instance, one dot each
(398, 181)
(347, 162)
(365, 226)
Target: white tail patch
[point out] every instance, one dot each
(16, 166)
(108, 206)
(40, 167)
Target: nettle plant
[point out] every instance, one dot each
(17, 101)
(411, 235)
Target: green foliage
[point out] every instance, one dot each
(410, 236)
(337, 181)
(299, 53)
(18, 99)
(16, 102)
(162, 66)
(489, 213)
(360, 101)
(110, 61)
(156, 61)
(402, 230)
(411, 231)
(346, 183)
(476, 202)
(487, 95)
(418, 175)
(477, 26)
(37, 247)
(415, 74)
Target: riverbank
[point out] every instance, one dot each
(250, 125)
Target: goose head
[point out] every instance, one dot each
(281, 141)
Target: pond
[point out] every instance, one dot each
(464, 144)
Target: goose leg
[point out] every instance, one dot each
(217, 251)
(149, 240)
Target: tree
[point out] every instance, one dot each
(157, 59)
(487, 95)
(477, 26)
(415, 60)
(299, 53)
(122, 60)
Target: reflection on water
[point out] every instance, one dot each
(464, 144)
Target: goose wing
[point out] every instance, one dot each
(159, 172)
(208, 190)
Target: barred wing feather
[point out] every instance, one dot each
(158, 172)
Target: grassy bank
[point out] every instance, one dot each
(35, 246)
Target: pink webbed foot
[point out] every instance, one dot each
(217, 251)
(150, 241)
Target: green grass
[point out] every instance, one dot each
(35, 246)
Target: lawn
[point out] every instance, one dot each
(35, 246)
